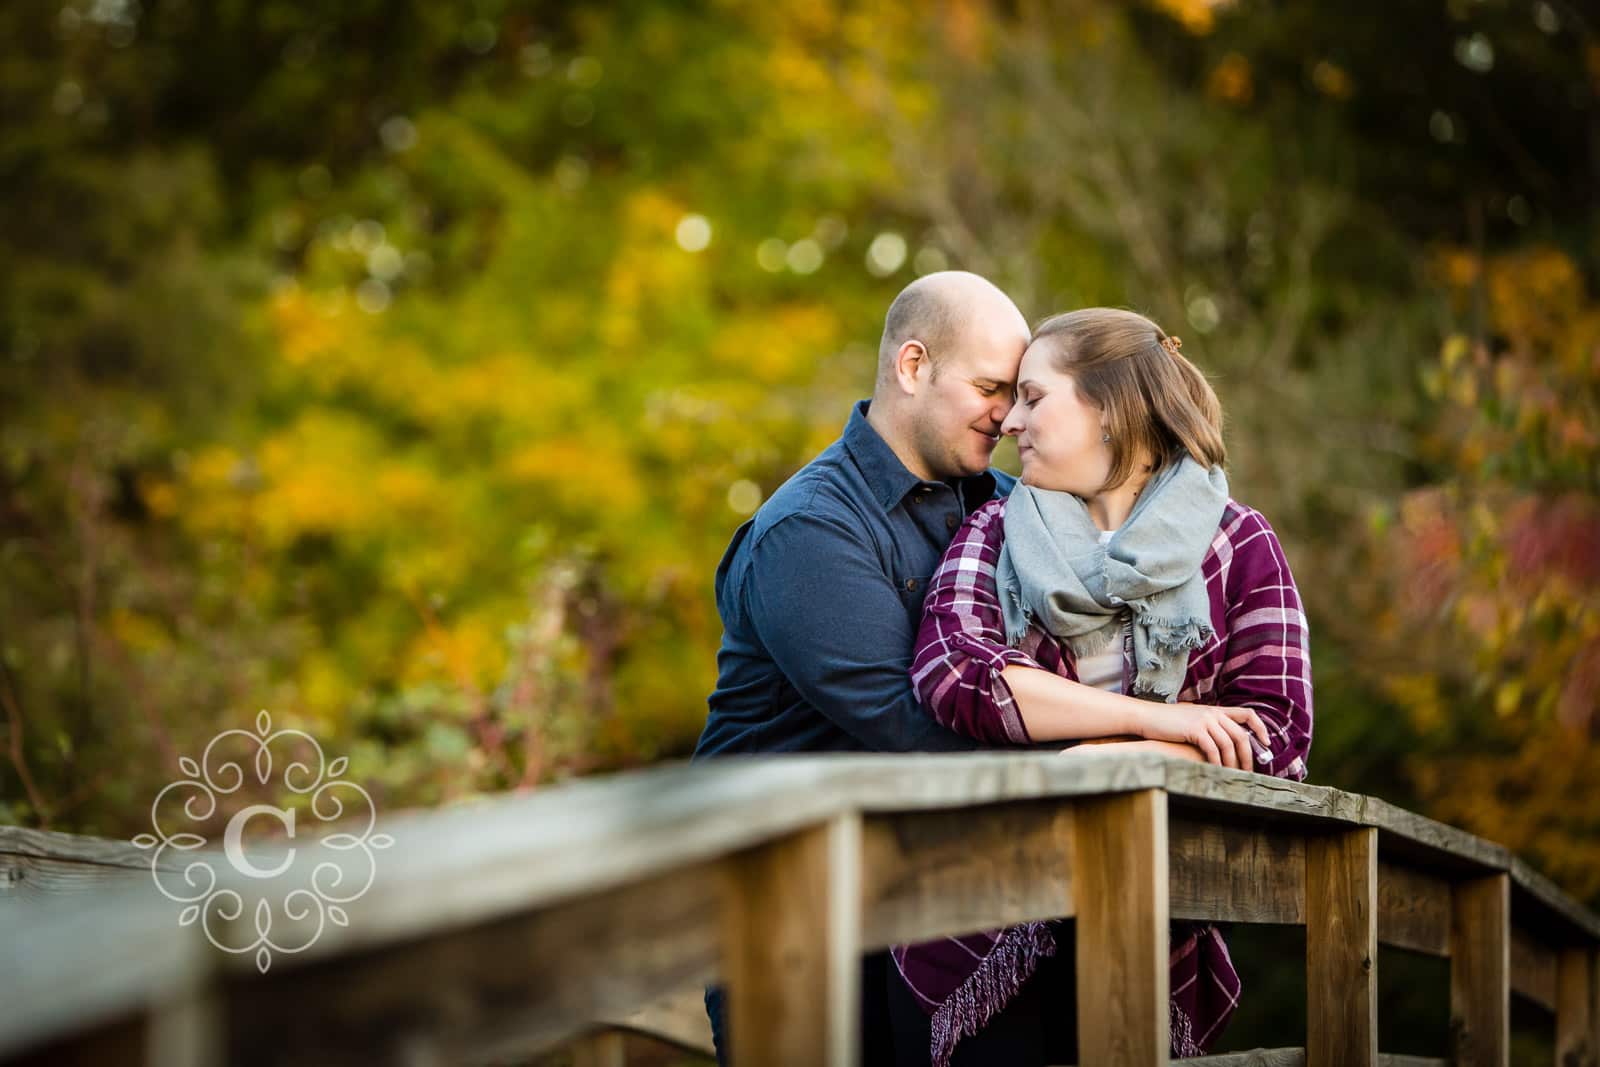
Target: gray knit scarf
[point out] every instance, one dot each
(1054, 571)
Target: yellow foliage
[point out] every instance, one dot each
(650, 273)
(1419, 695)
(608, 482)
(1230, 80)
(1535, 295)
(136, 632)
(1199, 17)
(1332, 79)
(316, 477)
(772, 346)
(325, 689)
(797, 71)
(159, 495)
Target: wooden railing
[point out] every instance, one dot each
(503, 928)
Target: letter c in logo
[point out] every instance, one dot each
(234, 850)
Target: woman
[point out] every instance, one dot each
(1118, 592)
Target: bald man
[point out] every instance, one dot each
(821, 591)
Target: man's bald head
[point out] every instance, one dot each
(935, 310)
(947, 371)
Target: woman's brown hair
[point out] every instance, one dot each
(1154, 400)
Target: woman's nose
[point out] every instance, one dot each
(1014, 419)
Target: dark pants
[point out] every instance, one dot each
(877, 1042)
(1038, 1026)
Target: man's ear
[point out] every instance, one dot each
(911, 366)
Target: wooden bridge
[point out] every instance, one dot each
(499, 930)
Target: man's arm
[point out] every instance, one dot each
(834, 623)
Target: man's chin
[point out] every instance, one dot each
(976, 464)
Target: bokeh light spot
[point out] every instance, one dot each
(744, 496)
(886, 254)
(399, 134)
(372, 296)
(693, 233)
(771, 254)
(805, 256)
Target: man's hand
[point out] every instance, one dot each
(1110, 744)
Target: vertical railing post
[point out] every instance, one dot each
(1480, 971)
(792, 949)
(600, 1050)
(1342, 949)
(1575, 1009)
(1120, 884)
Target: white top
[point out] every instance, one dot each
(1103, 670)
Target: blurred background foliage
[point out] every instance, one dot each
(403, 368)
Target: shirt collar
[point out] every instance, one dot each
(887, 477)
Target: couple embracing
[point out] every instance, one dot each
(899, 595)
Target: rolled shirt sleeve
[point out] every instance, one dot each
(1266, 664)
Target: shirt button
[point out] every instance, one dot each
(951, 522)
(911, 583)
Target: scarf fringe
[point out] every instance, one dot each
(987, 990)
(1177, 635)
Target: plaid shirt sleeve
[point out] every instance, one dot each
(961, 645)
(1267, 662)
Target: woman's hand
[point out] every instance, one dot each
(1221, 734)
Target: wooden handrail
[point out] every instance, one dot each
(515, 923)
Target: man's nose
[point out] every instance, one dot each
(1001, 411)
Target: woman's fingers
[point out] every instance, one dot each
(1241, 744)
(1252, 720)
(1206, 745)
(1227, 756)
(1224, 744)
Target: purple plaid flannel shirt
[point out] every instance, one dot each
(1259, 658)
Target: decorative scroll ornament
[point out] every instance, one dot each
(309, 900)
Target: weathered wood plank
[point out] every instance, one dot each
(1257, 1057)
(473, 865)
(82, 971)
(1565, 916)
(499, 990)
(1232, 874)
(24, 879)
(476, 861)
(599, 1050)
(1480, 972)
(1574, 1008)
(677, 1019)
(1533, 969)
(1413, 909)
(42, 864)
(1342, 949)
(1296, 1057)
(75, 848)
(1120, 874)
(792, 949)
(932, 874)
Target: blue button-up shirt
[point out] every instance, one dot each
(821, 594)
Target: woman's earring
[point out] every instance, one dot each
(1105, 438)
